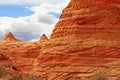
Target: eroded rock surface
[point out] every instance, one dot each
(85, 41)
(96, 19)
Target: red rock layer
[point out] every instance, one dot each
(83, 19)
(85, 41)
(19, 54)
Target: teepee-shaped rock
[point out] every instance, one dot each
(44, 38)
(10, 37)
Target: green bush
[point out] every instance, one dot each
(100, 77)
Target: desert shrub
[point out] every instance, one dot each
(118, 78)
(77, 78)
(14, 68)
(73, 78)
(100, 77)
(32, 77)
(1, 72)
(2, 55)
(16, 78)
(29, 77)
(6, 65)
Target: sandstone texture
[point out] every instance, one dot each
(84, 42)
(19, 54)
(96, 19)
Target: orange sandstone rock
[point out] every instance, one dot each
(85, 19)
(44, 38)
(85, 41)
(9, 37)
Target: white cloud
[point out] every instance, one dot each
(32, 2)
(28, 28)
(46, 7)
(31, 27)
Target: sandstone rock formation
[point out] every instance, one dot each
(19, 54)
(9, 37)
(44, 38)
(90, 19)
(85, 41)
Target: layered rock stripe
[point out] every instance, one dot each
(84, 42)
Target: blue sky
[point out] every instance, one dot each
(29, 19)
(14, 11)
(57, 15)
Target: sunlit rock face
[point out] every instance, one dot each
(85, 41)
(90, 19)
(14, 52)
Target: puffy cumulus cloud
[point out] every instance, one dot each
(30, 28)
(27, 28)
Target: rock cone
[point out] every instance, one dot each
(9, 37)
(44, 38)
